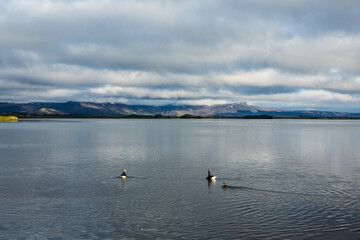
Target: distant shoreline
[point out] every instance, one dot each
(186, 116)
(117, 110)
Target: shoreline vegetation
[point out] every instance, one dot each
(8, 119)
(16, 116)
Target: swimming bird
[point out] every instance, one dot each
(123, 175)
(210, 177)
(225, 185)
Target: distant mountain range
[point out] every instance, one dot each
(117, 109)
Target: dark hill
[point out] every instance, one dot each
(118, 109)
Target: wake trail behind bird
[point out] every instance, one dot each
(284, 192)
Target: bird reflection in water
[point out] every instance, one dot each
(123, 182)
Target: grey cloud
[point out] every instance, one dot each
(255, 90)
(185, 36)
(209, 50)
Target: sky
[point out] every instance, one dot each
(290, 54)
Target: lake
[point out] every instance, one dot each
(289, 179)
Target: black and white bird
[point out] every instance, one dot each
(123, 175)
(210, 177)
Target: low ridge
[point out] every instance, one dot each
(118, 109)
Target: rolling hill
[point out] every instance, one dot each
(117, 109)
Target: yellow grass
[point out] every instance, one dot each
(8, 119)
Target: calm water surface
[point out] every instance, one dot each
(290, 179)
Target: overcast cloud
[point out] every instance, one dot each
(273, 53)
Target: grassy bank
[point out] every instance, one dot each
(8, 119)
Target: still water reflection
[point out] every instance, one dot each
(290, 179)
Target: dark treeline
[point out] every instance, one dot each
(160, 116)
